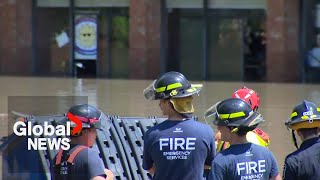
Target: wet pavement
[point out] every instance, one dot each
(125, 98)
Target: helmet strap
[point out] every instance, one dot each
(294, 139)
(235, 130)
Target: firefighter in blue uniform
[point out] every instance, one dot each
(243, 159)
(179, 147)
(304, 163)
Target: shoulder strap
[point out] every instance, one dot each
(222, 146)
(75, 152)
(59, 156)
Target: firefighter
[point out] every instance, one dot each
(257, 136)
(81, 161)
(242, 160)
(304, 163)
(179, 147)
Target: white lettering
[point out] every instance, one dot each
(262, 165)
(191, 145)
(48, 129)
(22, 130)
(42, 143)
(29, 128)
(39, 132)
(65, 144)
(252, 167)
(176, 143)
(252, 177)
(54, 143)
(163, 142)
(33, 143)
(68, 129)
(60, 130)
(239, 168)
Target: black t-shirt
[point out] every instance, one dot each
(304, 163)
(178, 149)
(86, 165)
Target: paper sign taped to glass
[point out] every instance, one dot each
(62, 39)
(86, 37)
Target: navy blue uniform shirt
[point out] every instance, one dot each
(304, 163)
(244, 161)
(178, 149)
(87, 164)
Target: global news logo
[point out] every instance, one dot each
(47, 136)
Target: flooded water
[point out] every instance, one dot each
(125, 98)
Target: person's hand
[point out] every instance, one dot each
(110, 175)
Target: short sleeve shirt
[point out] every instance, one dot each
(303, 164)
(87, 164)
(314, 57)
(178, 149)
(244, 161)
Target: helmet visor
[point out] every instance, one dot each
(150, 92)
(212, 114)
(96, 123)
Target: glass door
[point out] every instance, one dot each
(225, 48)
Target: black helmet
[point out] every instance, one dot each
(87, 114)
(233, 112)
(304, 115)
(170, 85)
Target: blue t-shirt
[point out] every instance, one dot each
(178, 149)
(244, 161)
(314, 57)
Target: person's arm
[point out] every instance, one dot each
(216, 172)
(211, 150)
(152, 170)
(274, 172)
(288, 171)
(147, 163)
(98, 178)
(109, 173)
(278, 177)
(96, 168)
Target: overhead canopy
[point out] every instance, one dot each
(219, 4)
(83, 3)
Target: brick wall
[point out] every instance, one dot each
(16, 35)
(144, 39)
(282, 40)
